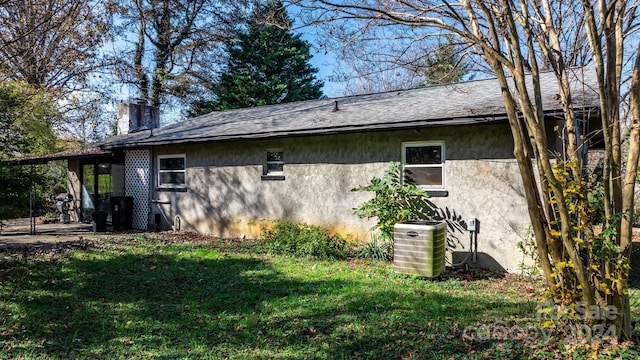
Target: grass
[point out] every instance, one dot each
(158, 297)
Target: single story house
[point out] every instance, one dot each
(223, 172)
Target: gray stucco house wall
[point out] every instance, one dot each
(227, 196)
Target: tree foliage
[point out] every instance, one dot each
(57, 46)
(516, 40)
(24, 130)
(444, 65)
(267, 64)
(25, 120)
(394, 201)
(52, 44)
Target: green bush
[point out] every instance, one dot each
(18, 182)
(394, 201)
(378, 249)
(303, 240)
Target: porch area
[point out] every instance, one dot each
(16, 233)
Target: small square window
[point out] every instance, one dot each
(273, 165)
(172, 171)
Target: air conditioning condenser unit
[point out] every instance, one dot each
(418, 247)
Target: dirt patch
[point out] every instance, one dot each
(18, 233)
(48, 248)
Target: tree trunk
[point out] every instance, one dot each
(626, 231)
(521, 153)
(143, 81)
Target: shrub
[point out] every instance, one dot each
(378, 249)
(394, 201)
(303, 240)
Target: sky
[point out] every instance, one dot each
(324, 63)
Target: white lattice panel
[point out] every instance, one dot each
(138, 185)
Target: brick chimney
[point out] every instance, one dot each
(137, 115)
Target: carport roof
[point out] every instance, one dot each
(83, 152)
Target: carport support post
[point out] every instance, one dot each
(32, 213)
(32, 204)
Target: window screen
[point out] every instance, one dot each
(172, 170)
(423, 164)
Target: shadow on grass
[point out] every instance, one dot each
(204, 306)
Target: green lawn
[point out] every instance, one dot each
(155, 297)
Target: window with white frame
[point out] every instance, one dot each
(273, 164)
(423, 164)
(172, 171)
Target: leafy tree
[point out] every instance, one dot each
(268, 64)
(25, 130)
(53, 44)
(583, 267)
(56, 46)
(445, 65)
(25, 120)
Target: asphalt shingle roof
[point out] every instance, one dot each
(462, 103)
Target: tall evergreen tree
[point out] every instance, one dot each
(445, 65)
(268, 64)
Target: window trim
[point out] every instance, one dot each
(171, 186)
(433, 190)
(272, 175)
